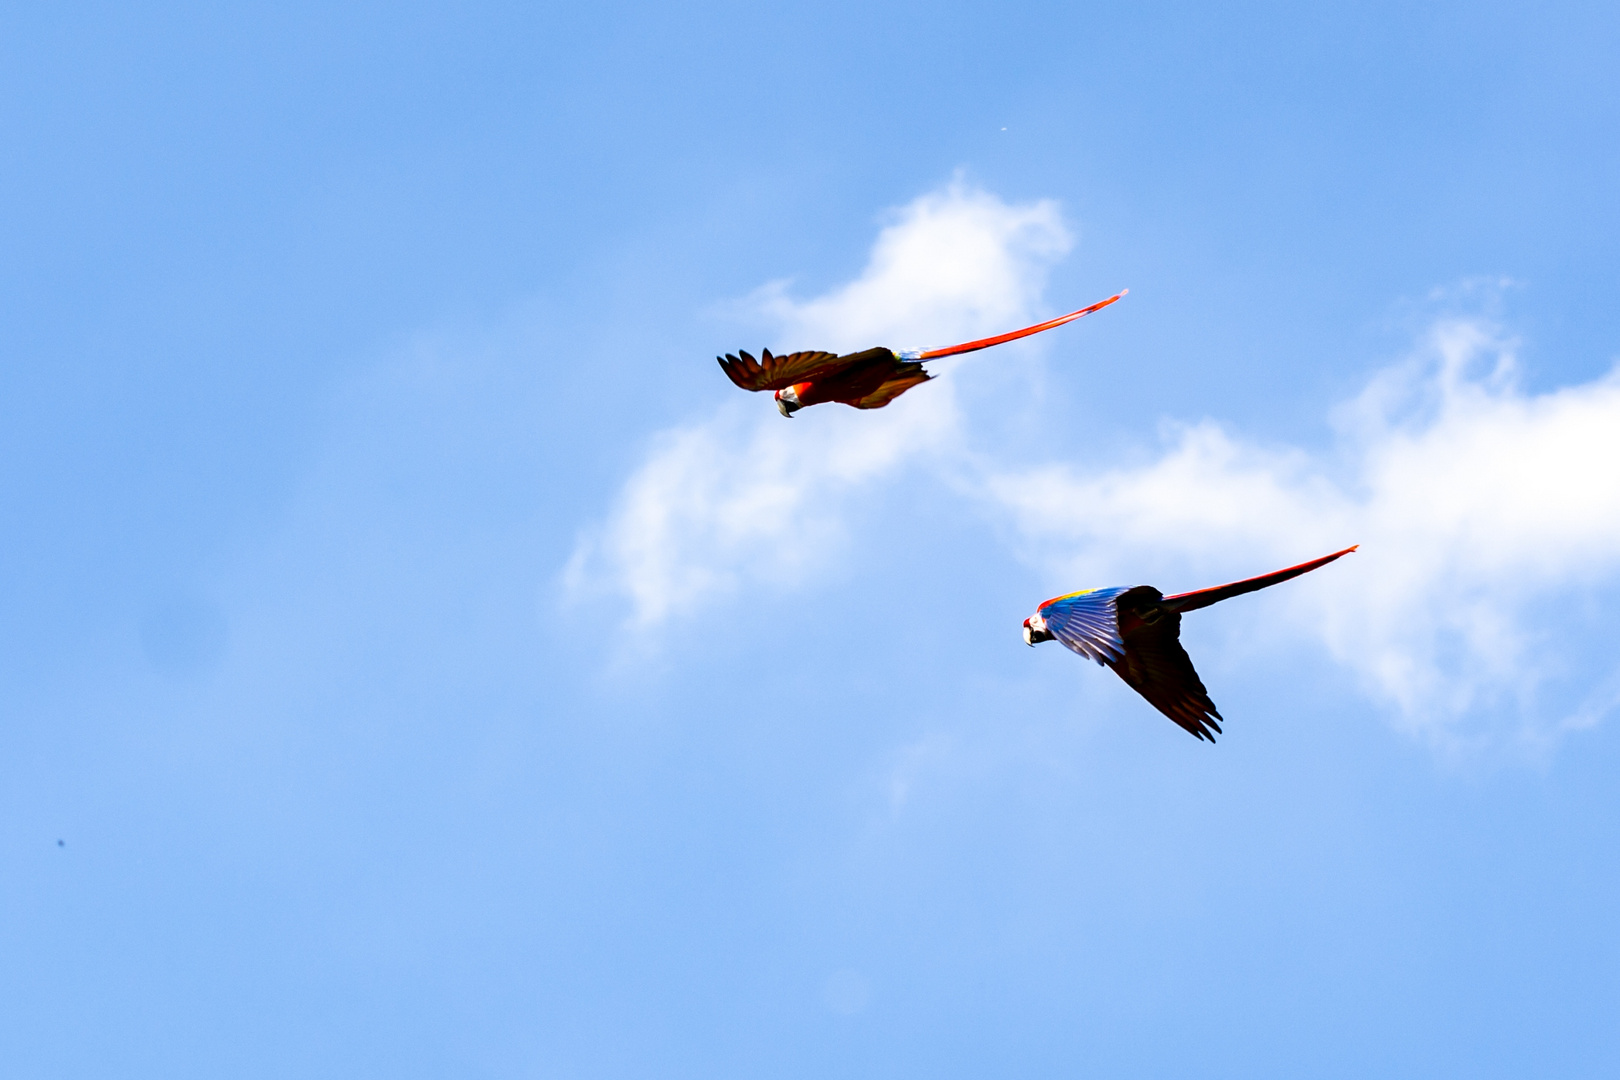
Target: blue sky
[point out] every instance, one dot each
(431, 666)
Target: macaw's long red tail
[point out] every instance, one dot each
(1192, 601)
(985, 343)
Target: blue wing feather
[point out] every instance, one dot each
(1087, 623)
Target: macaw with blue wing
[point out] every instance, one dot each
(1137, 632)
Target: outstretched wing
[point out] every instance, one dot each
(1087, 623)
(908, 376)
(776, 372)
(1157, 667)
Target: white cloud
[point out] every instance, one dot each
(1477, 504)
(955, 263)
(1479, 507)
(746, 494)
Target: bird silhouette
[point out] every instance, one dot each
(866, 380)
(1137, 632)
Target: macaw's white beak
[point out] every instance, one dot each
(1035, 630)
(787, 402)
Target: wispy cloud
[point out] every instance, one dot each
(1480, 506)
(746, 495)
(1475, 501)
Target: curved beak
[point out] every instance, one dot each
(787, 402)
(1032, 636)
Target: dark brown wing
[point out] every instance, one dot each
(1157, 667)
(908, 376)
(777, 372)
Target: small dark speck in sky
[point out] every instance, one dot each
(61, 843)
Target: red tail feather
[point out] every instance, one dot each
(1192, 601)
(985, 343)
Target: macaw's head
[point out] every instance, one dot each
(787, 401)
(1035, 630)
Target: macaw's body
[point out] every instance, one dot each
(866, 380)
(1137, 632)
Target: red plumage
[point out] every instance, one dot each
(865, 380)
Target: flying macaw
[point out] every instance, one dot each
(866, 380)
(1137, 632)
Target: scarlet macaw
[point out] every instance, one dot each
(866, 380)
(1137, 633)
